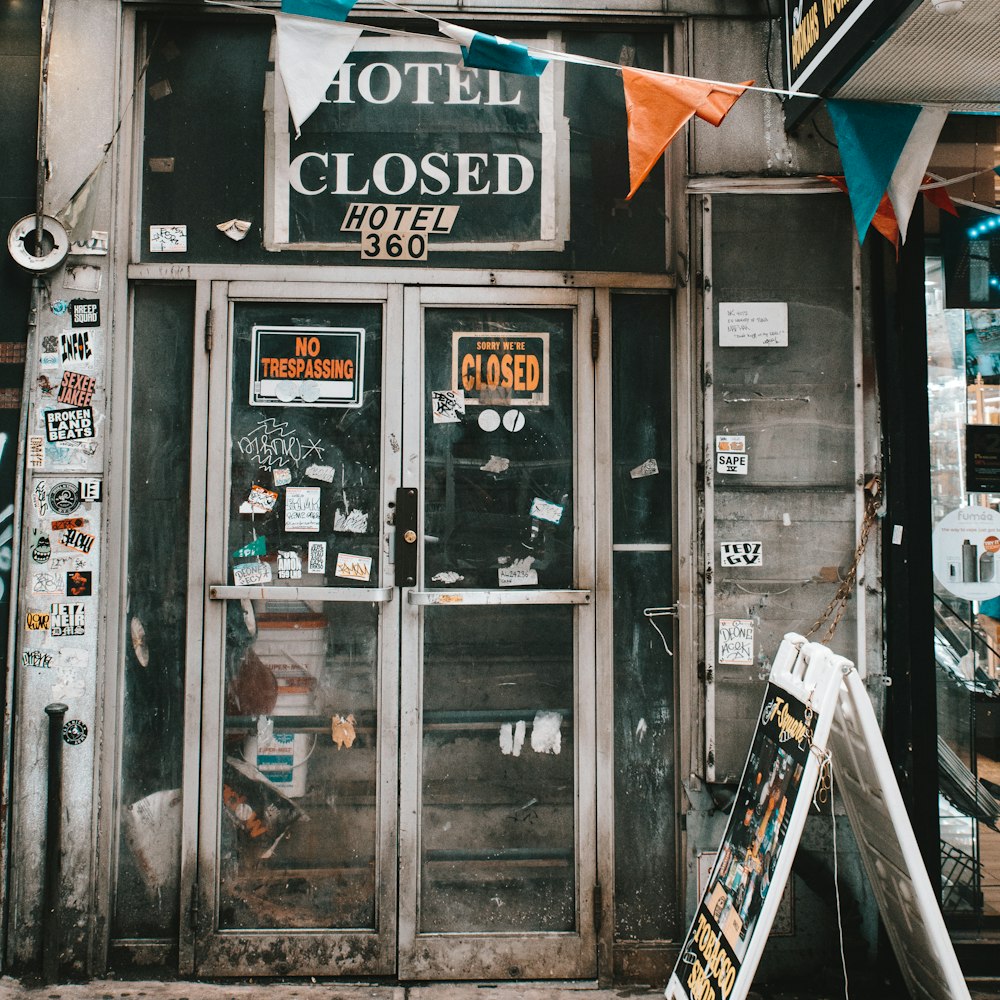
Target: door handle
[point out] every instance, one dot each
(406, 536)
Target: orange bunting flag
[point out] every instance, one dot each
(658, 106)
(883, 221)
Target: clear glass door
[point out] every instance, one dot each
(297, 824)
(500, 857)
(398, 760)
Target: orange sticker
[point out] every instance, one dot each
(991, 543)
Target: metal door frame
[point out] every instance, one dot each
(541, 955)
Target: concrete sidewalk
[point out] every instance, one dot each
(115, 989)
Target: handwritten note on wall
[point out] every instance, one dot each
(753, 324)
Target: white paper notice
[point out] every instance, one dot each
(353, 567)
(302, 508)
(753, 324)
(542, 510)
(741, 554)
(729, 464)
(517, 576)
(736, 641)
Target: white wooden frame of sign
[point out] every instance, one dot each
(843, 722)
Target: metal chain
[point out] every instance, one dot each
(838, 605)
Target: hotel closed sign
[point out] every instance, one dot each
(413, 152)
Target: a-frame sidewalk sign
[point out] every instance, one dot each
(815, 709)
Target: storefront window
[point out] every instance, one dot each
(962, 292)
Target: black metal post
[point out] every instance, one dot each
(53, 846)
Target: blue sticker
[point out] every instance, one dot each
(60, 307)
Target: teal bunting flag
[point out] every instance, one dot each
(871, 137)
(329, 10)
(490, 52)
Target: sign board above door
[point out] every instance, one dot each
(406, 125)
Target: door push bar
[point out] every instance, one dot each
(373, 595)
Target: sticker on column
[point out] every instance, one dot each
(80, 583)
(77, 347)
(252, 574)
(36, 621)
(260, 501)
(36, 451)
(40, 658)
(447, 405)
(351, 567)
(741, 554)
(289, 565)
(90, 490)
(72, 424)
(966, 553)
(317, 557)
(76, 389)
(64, 497)
(67, 619)
(302, 508)
(50, 356)
(85, 312)
(48, 583)
(735, 641)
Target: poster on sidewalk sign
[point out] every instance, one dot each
(814, 702)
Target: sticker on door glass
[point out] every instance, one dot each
(306, 366)
(351, 567)
(496, 369)
(302, 508)
(251, 574)
(447, 405)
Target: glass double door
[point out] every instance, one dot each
(397, 763)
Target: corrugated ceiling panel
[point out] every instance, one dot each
(932, 57)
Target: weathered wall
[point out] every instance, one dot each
(62, 527)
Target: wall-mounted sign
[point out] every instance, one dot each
(966, 552)
(406, 126)
(507, 369)
(753, 324)
(306, 366)
(982, 458)
(823, 38)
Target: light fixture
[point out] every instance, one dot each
(948, 6)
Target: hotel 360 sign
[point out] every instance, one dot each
(412, 151)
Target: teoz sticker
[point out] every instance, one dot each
(741, 554)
